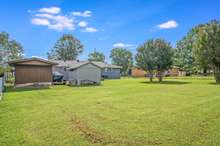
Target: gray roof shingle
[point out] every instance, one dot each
(72, 64)
(105, 65)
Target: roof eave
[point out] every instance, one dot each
(14, 62)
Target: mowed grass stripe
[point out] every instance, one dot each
(181, 111)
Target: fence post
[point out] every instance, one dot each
(1, 87)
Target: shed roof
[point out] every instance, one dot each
(18, 61)
(73, 64)
(82, 63)
(67, 63)
(105, 65)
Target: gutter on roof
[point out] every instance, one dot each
(14, 62)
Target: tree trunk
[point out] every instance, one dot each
(188, 74)
(151, 76)
(160, 79)
(205, 72)
(160, 76)
(217, 73)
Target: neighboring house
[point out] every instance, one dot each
(174, 72)
(109, 71)
(135, 72)
(79, 72)
(32, 71)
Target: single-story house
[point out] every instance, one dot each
(135, 72)
(79, 72)
(32, 71)
(109, 71)
(174, 72)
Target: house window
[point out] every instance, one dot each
(106, 69)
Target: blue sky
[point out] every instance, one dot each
(101, 24)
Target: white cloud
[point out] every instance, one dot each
(82, 14)
(62, 22)
(49, 16)
(168, 25)
(40, 21)
(82, 24)
(57, 22)
(90, 29)
(122, 45)
(50, 10)
(53, 19)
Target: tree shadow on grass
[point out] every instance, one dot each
(213, 83)
(166, 82)
(24, 89)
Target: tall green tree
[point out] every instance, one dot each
(9, 49)
(66, 48)
(145, 59)
(154, 55)
(207, 45)
(122, 57)
(183, 54)
(96, 56)
(164, 57)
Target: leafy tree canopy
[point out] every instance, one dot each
(154, 54)
(97, 56)
(183, 54)
(122, 57)
(207, 45)
(9, 50)
(66, 48)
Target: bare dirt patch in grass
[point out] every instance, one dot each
(96, 137)
(91, 135)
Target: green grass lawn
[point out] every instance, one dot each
(184, 111)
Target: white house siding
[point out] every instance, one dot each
(89, 72)
(86, 72)
(72, 75)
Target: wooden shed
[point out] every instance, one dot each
(84, 72)
(32, 71)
